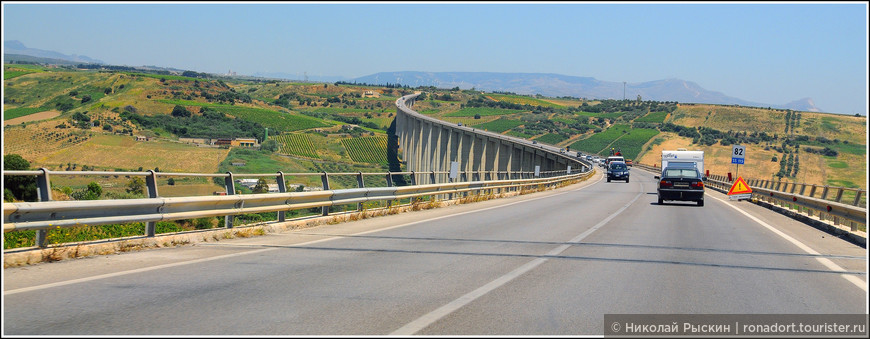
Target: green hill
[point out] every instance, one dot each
(60, 117)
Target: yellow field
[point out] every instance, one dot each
(814, 168)
(112, 151)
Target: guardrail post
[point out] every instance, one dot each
(389, 184)
(324, 178)
(413, 178)
(43, 192)
(857, 198)
(812, 191)
(282, 188)
(839, 194)
(151, 183)
(825, 192)
(231, 190)
(360, 184)
(432, 177)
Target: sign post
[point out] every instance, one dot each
(738, 157)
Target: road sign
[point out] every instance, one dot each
(739, 187)
(738, 154)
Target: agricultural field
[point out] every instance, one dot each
(499, 126)
(482, 111)
(296, 144)
(611, 116)
(551, 138)
(124, 152)
(274, 120)
(469, 121)
(522, 100)
(597, 143)
(656, 117)
(367, 149)
(13, 113)
(632, 142)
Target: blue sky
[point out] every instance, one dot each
(762, 52)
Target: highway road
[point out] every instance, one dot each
(549, 263)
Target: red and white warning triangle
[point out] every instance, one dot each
(739, 187)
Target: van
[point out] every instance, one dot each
(692, 159)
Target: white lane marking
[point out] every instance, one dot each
(195, 261)
(441, 312)
(824, 261)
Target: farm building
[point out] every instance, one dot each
(241, 142)
(141, 138)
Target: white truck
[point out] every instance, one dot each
(681, 155)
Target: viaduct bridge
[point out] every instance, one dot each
(429, 144)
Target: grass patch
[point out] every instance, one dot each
(656, 117)
(838, 164)
(551, 138)
(482, 111)
(499, 126)
(20, 112)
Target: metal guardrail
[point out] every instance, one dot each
(47, 214)
(787, 195)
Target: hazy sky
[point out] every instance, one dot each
(762, 52)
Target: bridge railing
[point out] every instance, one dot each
(784, 194)
(47, 214)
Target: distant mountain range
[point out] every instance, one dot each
(556, 85)
(551, 85)
(16, 47)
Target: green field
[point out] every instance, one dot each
(499, 126)
(20, 112)
(620, 137)
(482, 111)
(367, 149)
(274, 120)
(613, 115)
(522, 100)
(658, 117)
(551, 138)
(296, 144)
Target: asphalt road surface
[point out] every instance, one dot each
(550, 263)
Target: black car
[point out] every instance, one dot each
(617, 170)
(682, 184)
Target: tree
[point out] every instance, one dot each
(136, 186)
(171, 182)
(261, 187)
(21, 187)
(180, 111)
(86, 98)
(92, 192)
(269, 146)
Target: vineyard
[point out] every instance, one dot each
(274, 120)
(500, 125)
(621, 137)
(551, 138)
(522, 100)
(296, 144)
(598, 141)
(653, 117)
(482, 111)
(367, 149)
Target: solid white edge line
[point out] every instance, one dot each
(824, 261)
(441, 312)
(145, 269)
